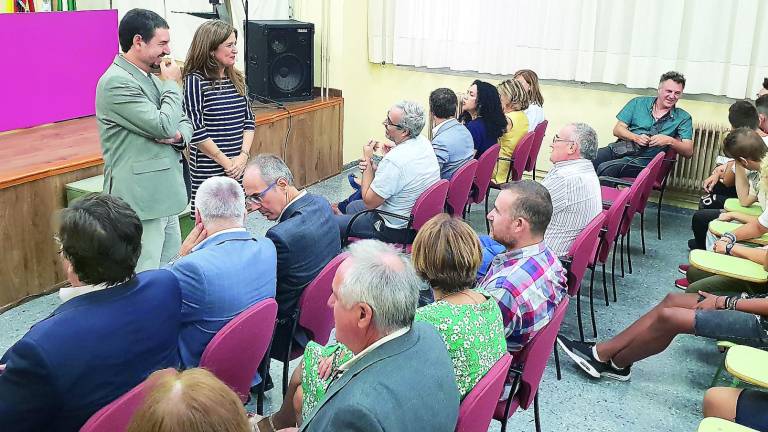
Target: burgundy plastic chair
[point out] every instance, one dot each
(459, 187)
(235, 352)
(485, 165)
(642, 190)
(660, 185)
(476, 410)
(313, 313)
(533, 358)
(614, 216)
(116, 416)
(430, 203)
(518, 160)
(539, 131)
(582, 255)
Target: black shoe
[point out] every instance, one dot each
(617, 374)
(581, 353)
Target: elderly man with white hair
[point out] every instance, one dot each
(408, 168)
(573, 185)
(401, 376)
(222, 269)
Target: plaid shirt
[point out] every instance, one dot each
(528, 284)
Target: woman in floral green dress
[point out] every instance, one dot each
(446, 253)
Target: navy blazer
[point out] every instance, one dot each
(88, 352)
(221, 277)
(406, 384)
(306, 238)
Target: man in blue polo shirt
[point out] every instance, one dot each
(646, 126)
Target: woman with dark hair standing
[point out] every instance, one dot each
(483, 116)
(216, 103)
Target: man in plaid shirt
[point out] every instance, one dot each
(526, 279)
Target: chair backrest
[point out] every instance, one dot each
(655, 167)
(539, 131)
(234, 354)
(485, 165)
(640, 189)
(535, 356)
(520, 156)
(116, 416)
(429, 204)
(582, 252)
(314, 314)
(613, 217)
(476, 410)
(459, 187)
(670, 158)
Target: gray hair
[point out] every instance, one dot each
(413, 117)
(375, 278)
(587, 139)
(220, 198)
(271, 168)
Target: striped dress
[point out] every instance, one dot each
(217, 112)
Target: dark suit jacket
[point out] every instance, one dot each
(88, 352)
(406, 384)
(306, 239)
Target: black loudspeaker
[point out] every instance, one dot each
(280, 54)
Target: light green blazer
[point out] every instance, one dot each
(132, 110)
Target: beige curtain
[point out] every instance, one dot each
(715, 43)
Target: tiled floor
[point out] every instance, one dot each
(665, 391)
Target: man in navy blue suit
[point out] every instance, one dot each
(114, 328)
(306, 237)
(223, 270)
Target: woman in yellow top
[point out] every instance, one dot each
(514, 101)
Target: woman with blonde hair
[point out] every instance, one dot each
(446, 254)
(216, 102)
(192, 401)
(514, 101)
(535, 110)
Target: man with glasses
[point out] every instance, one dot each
(646, 126)
(408, 168)
(306, 238)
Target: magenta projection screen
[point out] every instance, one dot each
(51, 62)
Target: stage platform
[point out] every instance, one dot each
(37, 163)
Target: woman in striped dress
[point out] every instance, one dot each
(216, 103)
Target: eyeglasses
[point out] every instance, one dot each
(256, 198)
(557, 138)
(388, 122)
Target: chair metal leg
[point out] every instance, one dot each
(621, 255)
(613, 270)
(578, 315)
(536, 415)
(557, 361)
(592, 300)
(658, 209)
(534, 172)
(629, 250)
(605, 286)
(642, 230)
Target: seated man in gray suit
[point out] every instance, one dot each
(451, 140)
(306, 238)
(401, 377)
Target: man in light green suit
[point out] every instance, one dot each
(143, 130)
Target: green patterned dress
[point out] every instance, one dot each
(473, 335)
